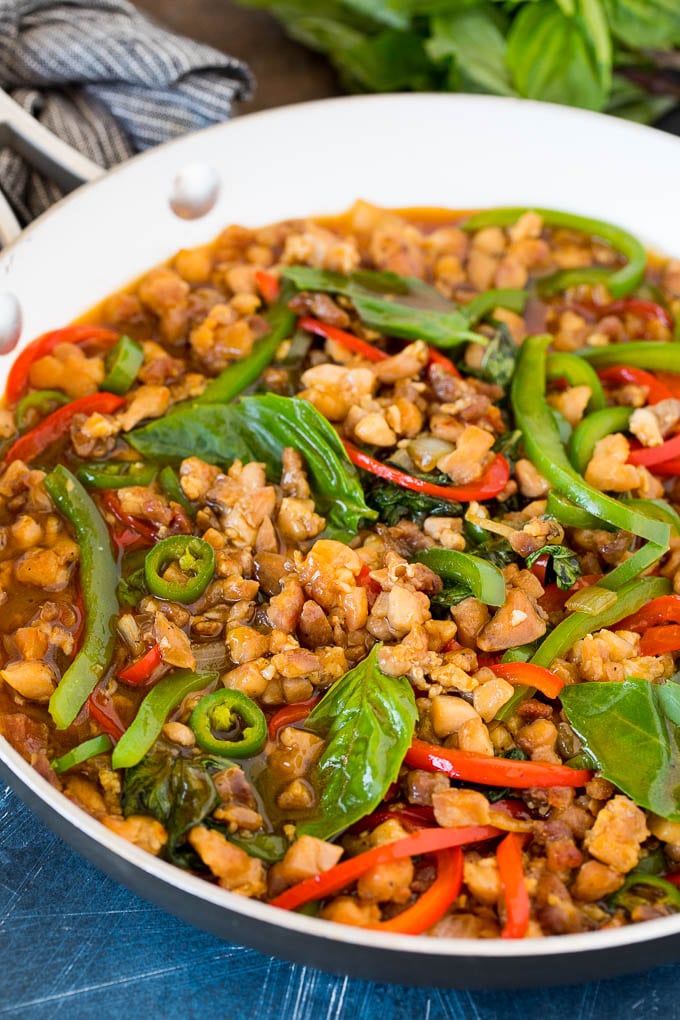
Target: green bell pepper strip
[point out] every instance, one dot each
(672, 893)
(195, 557)
(171, 486)
(83, 752)
(116, 474)
(659, 510)
(122, 365)
(631, 597)
(570, 367)
(484, 303)
(98, 578)
(619, 281)
(545, 450)
(229, 712)
(145, 729)
(572, 516)
(42, 401)
(240, 374)
(591, 429)
(563, 279)
(653, 355)
(576, 626)
(485, 581)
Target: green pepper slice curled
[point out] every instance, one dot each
(196, 559)
(83, 752)
(145, 729)
(577, 373)
(619, 281)
(652, 355)
(122, 365)
(98, 578)
(116, 475)
(484, 579)
(42, 402)
(236, 717)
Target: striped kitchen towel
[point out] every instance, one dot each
(106, 80)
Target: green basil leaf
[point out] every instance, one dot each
(367, 720)
(258, 429)
(474, 38)
(631, 730)
(564, 564)
(644, 24)
(389, 62)
(500, 355)
(556, 58)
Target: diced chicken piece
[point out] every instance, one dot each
(285, 608)
(233, 867)
(49, 569)
(471, 616)
(69, 369)
(651, 424)
(298, 521)
(474, 736)
(531, 483)
(572, 403)
(305, 858)
(407, 363)
(490, 697)
(243, 500)
(320, 248)
(347, 910)
(595, 881)
(467, 462)
(455, 808)
(372, 428)
(448, 713)
(329, 572)
(251, 677)
(246, 643)
(180, 734)
(146, 833)
(607, 469)
(405, 609)
(334, 389)
(297, 796)
(313, 628)
(387, 883)
(480, 875)
(146, 402)
(619, 830)
(538, 740)
(197, 478)
(173, 642)
(236, 816)
(293, 476)
(165, 292)
(320, 306)
(517, 622)
(33, 680)
(85, 794)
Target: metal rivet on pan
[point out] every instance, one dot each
(10, 322)
(194, 191)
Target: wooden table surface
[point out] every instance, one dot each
(286, 72)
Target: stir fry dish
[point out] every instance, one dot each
(341, 567)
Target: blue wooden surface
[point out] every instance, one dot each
(75, 944)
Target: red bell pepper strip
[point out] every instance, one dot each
(143, 529)
(648, 310)
(426, 841)
(539, 568)
(621, 375)
(434, 902)
(56, 425)
(665, 609)
(668, 469)
(342, 337)
(673, 878)
(478, 768)
(290, 714)
(104, 714)
(658, 640)
(137, 673)
(653, 456)
(366, 350)
(17, 380)
(268, 285)
(533, 676)
(493, 481)
(513, 883)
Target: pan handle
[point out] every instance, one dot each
(50, 155)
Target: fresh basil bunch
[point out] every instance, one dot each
(612, 55)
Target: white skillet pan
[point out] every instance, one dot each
(437, 150)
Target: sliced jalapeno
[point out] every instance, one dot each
(116, 475)
(196, 560)
(122, 365)
(230, 724)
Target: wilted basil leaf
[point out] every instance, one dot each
(474, 39)
(564, 566)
